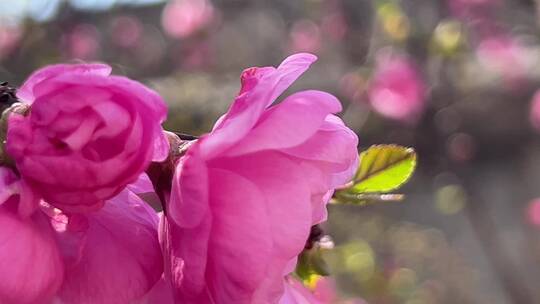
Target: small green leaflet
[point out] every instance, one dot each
(383, 168)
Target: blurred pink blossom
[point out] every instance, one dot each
(333, 22)
(505, 56)
(352, 85)
(126, 31)
(197, 55)
(396, 89)
(335, 26)
(305, 36)
(234, 224)
(9, 39)
(183, 18)
(472, 9)
(82, 42)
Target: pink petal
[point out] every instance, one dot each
(25, 92)
(337, 155)
(289, 123)
(264, 88)
(296, 293)
(30, 263)
(189, 195)
(189, 245)
(161, 293)
(115, 257)
(141, 185)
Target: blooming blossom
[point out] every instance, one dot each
(245, 195)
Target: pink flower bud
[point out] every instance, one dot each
(87, 135)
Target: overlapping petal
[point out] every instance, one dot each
(245, 196)
(111, 256)
(30, 262)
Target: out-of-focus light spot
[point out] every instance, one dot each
(10, 36)
(139, 2)
(461, 147)
(305, 36)
(396, 90)
(43, 10)
(505, 56)
(98, 5)
(534, 113)
(352, 85)
(359, 258)
(448, 37)
(447, 120)
(83, 42)
(182, 18)
(394, 22)
(12, 11)
(154, 47)
(533, 212)
(450, 199)
(335, 26)
(471, 9)
(197, 56)
(402, 282)
(126, 31)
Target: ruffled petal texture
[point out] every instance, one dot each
(245, 196)
(87, 135)
(111, 256)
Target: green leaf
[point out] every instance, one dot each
(383, 168)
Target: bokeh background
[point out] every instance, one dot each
(455, 79)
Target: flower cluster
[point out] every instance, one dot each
(238, 203)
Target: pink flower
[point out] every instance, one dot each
(396, 90)
(109, 256)
(87, 135)
(245, 196)
(182, 18)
